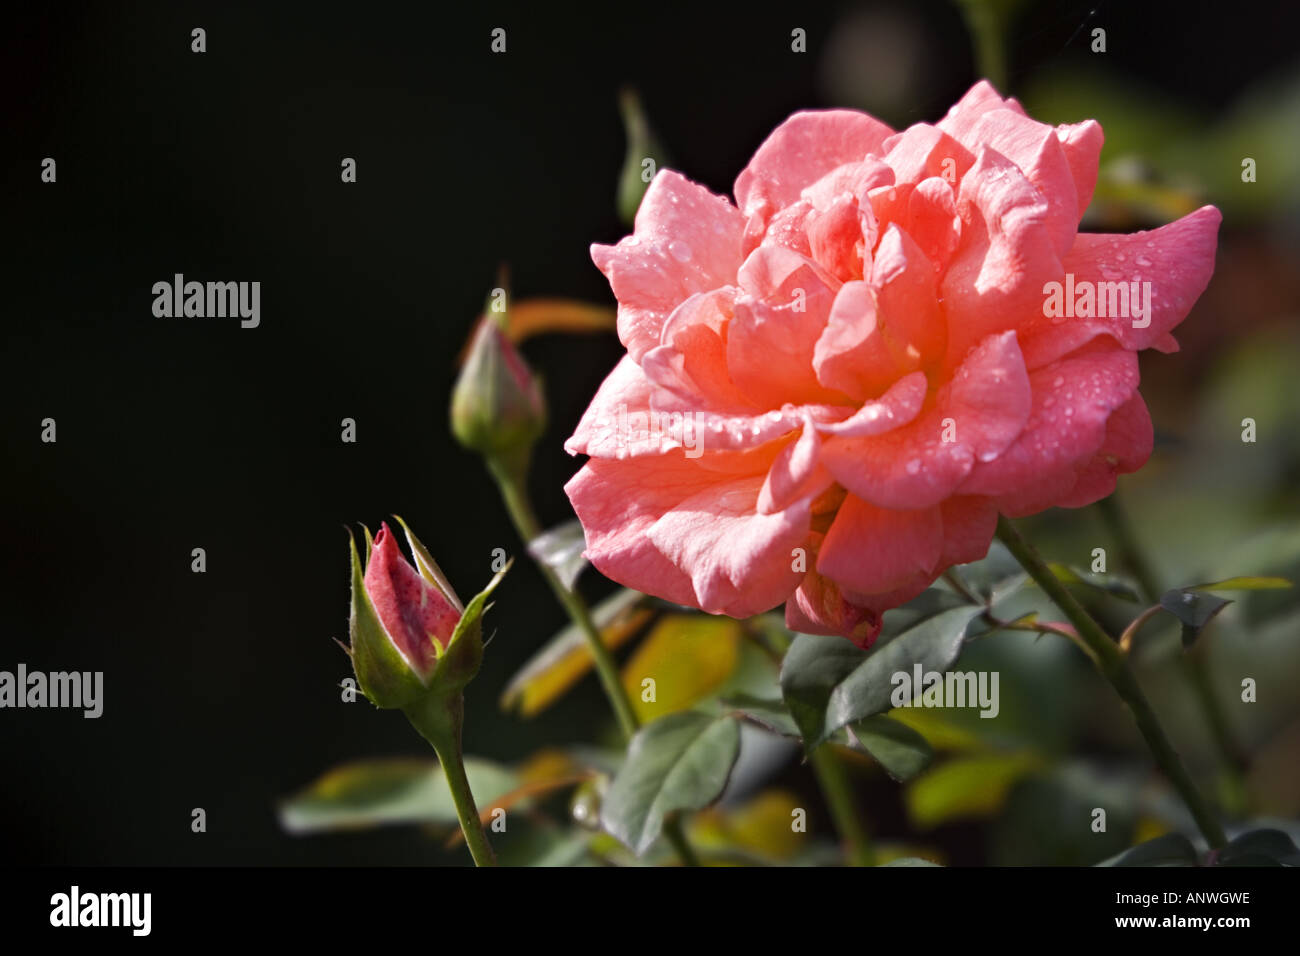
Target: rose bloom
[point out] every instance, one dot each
(864, 344)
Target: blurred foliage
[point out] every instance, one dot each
(945, 785)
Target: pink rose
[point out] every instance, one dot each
(833, 387)
(414, 614)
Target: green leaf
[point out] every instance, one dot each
(1172, 849)
(898, 748)
(1244, 584)
(827, 682)
(1112, 584)
(1194, 609)
(771, 714)
(995, 577)
(1260, 848)
(561, 549)
(679, 762)
(381, 792)
(974, 786)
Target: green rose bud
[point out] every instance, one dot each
(497, 408)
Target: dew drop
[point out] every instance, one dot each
(913, 466)
(679, 250)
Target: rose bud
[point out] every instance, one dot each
(402, 623)
(497, 408)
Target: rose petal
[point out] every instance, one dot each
(973, 418)
(979, 99)
(1072, 400)
(692, 361)
(996, 278)
(799, 152)
(1036, 150)
(1082, 145)
(1177, 259)
(687, 240)
(871, 550)
(779, 316)
(740, 562)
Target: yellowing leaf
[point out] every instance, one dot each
(761, 826)
(686, 656)
(942, 733)
(1148, 828)
(549, 763)
(966, 787)
(528, 317)
(1244, 584)
(566, 658)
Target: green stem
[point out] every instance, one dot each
(828, 767)
(676, 837)
(439, 722)
(1133, 559)
(1130, 555)
(1114, 666)
(833, 781)
(525, 522)
(510, 480)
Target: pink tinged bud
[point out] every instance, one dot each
(417, 617)
(497, 408)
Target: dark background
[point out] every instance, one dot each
(221, 688)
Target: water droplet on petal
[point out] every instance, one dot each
(679, 250)
(913, 466)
